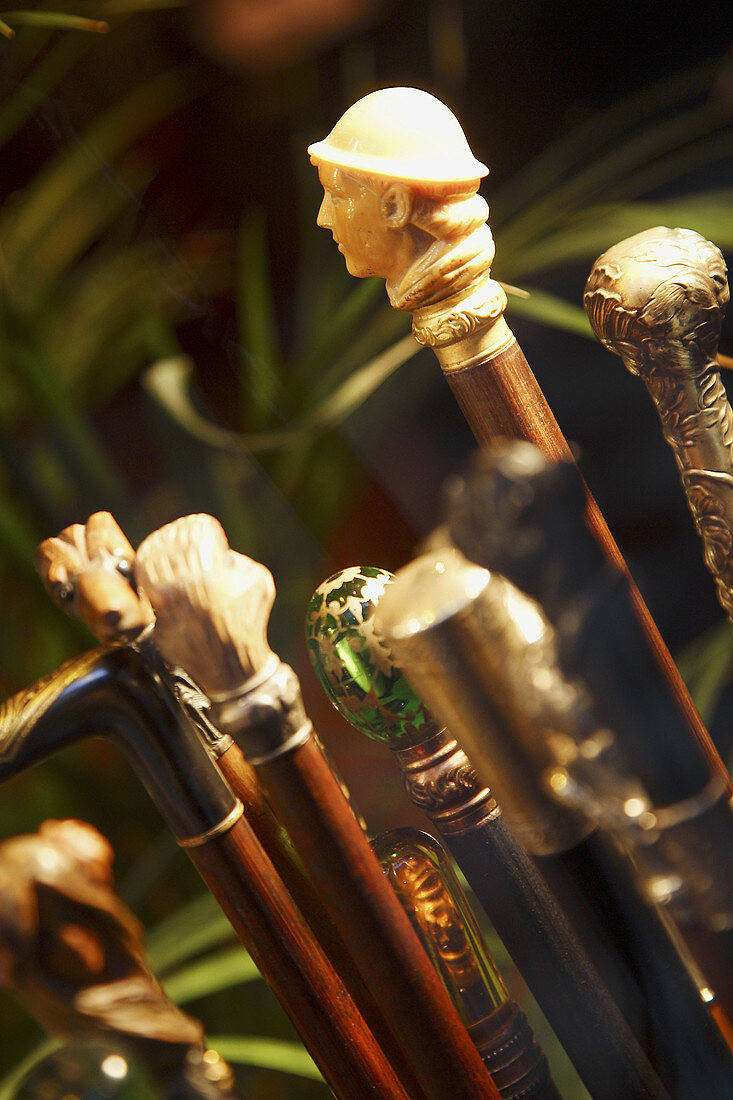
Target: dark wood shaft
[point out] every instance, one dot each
(310, 803)
(275, 841)
(252, 895)
(500, 398)
(564, 979)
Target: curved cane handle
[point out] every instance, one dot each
(657, 301)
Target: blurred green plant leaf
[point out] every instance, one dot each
(583, 237)
(211, 974)
(255, 1050)
(54, 20)
(168, 382)
(60, 181)
(128, 7)
(562, 158)
(552, 311)
(338, 326)
(45, 74)
(80, 450)
(260, 362)
(10, 1082)
(565, 180)
(192, 929)
(706, 667)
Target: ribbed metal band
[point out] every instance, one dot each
(217, 830)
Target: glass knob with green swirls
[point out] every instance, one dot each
(354, 664)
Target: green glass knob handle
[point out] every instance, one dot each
(355, 665)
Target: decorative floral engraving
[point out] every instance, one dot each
(448, 321)
(657, 301)
(446, 788)
(19, 714)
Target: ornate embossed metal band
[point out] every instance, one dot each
(657, 301)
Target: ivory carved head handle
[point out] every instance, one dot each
(401, 200)
(212, 605)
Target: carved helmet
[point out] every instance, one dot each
(400, 134)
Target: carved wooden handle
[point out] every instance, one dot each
(657, 301)
(87, 572)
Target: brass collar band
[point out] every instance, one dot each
(439, 778)
(465, 328)
(216, 830)
(250, 685)
(476, 349)
(293, 742)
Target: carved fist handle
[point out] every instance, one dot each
(212, 605)
(657, 301)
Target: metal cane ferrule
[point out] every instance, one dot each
(266, 716)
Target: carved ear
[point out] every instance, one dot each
(396, 205)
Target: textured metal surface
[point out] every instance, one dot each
(522, 515)
(657, 301)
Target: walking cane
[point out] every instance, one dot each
(484, 659)
(422, 877)
(74, 955)
(112, 693)
(88, 572)
(212, 607)
(521, 515)
(400, 198)
(657, 301)
(358, 671)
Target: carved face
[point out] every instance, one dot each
(359, 219)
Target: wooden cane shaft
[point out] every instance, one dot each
(272, 929)
(501, 398)
(275, 841)
(373, 924)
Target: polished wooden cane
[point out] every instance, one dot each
(113, 693)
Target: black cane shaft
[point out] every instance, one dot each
(686, 1046)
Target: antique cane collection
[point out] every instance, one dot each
(561, 759)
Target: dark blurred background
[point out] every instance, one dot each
(157, 206)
